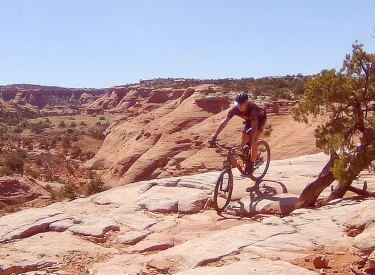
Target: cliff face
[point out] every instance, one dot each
(49, 100)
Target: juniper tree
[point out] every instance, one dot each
(347, 98)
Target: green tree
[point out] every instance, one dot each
(347, 98)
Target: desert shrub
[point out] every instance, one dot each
(11, 121)
(27, 141)
(6, 171)
(259, 90)
(282, 94)
(281, 83)
(8, 208)
(95, 186)
(3, 206)
(299, 89)
(48, 143)
(70, 131)
(66, 142)
(14, 163)
(22, 153)
(53, 142)
(75, 138)
(18, 129)
(97, 130)
(38, 128)
(44, 143)
(39, 160)
(33, 173)
(75, 152)
(62, 124)
(68, 191)
(50, 190)
(73, 124)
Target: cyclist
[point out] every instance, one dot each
(254, 118)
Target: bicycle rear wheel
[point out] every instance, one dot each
(223, 190)
(263, 161)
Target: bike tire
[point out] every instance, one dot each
(223, 190)
(261, 167)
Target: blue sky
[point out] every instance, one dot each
(106, 43)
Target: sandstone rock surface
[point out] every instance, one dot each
(163, 226)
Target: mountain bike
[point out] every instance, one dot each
(238, 157)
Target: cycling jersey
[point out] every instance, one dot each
(253, 112)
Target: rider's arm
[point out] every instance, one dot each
(221, 126)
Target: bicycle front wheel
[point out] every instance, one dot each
(263, 161)
(223, 190)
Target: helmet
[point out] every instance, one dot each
(241, 98)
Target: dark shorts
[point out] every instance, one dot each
(261, 123)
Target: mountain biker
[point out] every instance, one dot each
(254, 118)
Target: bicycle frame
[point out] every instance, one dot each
(233, 154)
(236, 153)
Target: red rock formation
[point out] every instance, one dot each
(167, 139)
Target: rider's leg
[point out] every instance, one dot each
(245, 139)
(245, 135)
(254, 147)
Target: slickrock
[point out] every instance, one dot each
(166, 226)
(250, 267)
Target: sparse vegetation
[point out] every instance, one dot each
(62, 124)
(14, 163)
(68, 192)
(97, 130)
(8, 208)
(95, 186)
